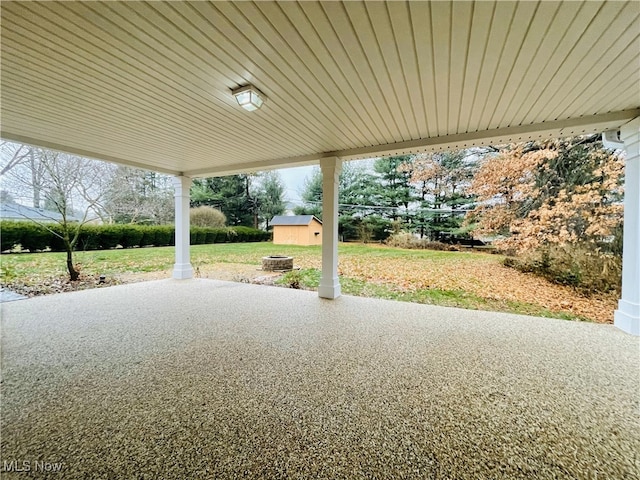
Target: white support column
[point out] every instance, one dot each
(627, 317)
(182, 268)
(329, 284)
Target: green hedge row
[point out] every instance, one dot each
(34, 237)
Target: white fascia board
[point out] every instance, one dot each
(521, 133)
(85, 153)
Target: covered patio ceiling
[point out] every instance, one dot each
(149, 84)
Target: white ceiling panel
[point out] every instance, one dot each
(149, 83)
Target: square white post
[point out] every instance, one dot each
(627, 317)
(329, 283)
(182, 268)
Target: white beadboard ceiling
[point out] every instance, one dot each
(149, 83)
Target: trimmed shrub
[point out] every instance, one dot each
(164, 235)
(210, 235)
(89, 238)
(56, 244)
(207, 217)
(222, 235)
(131, 235)
(248, 234)
(198, 235)
(10, 235)
(34, 237)
(110, 236)
(93, 237)
(240, 234)
(148, 236)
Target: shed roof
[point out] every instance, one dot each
(293, 220)
(149, 84)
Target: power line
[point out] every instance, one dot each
(383, 207)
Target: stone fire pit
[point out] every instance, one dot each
(275, 263)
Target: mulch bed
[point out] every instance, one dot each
(61, 284)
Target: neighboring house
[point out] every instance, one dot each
(15, 211)
(296, 230)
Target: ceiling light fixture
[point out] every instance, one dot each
(249, 97)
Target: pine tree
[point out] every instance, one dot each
(395, 191)
(229, 194)
(443, 180)
(269, 193)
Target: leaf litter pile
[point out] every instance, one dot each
(486, 279)
(478, 274)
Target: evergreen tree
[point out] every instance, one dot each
(359, 191)
(269, 193)
(394, 187)
(229, 194)
(358, 203)
(311, 195)
(443, 180)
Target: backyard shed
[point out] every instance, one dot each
(296, 230)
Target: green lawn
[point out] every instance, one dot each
(135, 260)
(310, 278)
(32, 267)
(357, 261)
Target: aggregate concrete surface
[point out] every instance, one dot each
(209, 379)
(9, 296)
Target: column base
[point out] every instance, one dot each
(330, 289)
(182, 271)
(627, 317)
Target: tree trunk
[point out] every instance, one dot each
(73, 273)
(35, 181)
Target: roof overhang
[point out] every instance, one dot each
(149, 84)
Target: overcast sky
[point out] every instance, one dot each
(293, 179)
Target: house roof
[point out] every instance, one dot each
(293, 220)
(15, 211)
(148, 84)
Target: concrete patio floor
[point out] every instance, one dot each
(209, 379)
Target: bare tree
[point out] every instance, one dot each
(22, 171)
(37, 175)
(138, 196)
(70, 186)
(13, 154)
